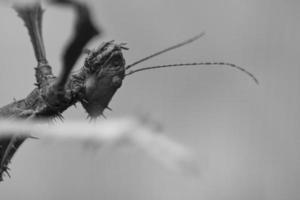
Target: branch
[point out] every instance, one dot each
(114, 133)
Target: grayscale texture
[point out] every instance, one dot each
(246, 137)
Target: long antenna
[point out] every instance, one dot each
(196, 64)
(167, 49)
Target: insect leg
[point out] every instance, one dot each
(84, 31)
(31, 14)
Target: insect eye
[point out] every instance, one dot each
(116, 63)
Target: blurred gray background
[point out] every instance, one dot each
(246, 137)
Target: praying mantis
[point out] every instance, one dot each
(94, 85)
